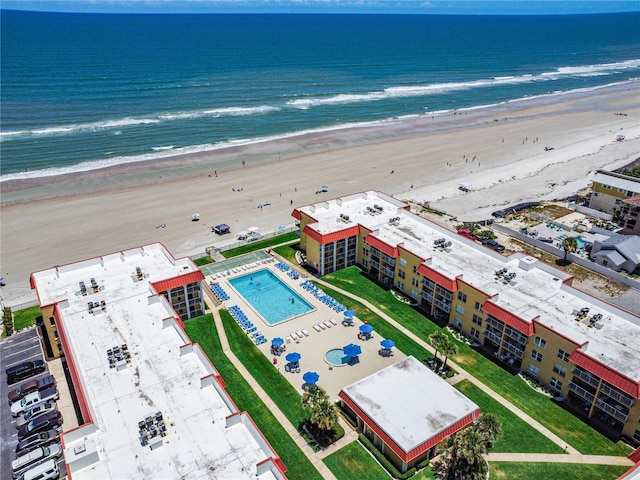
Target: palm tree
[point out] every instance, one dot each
(448, 350)
(462, 456)
(438, 340)
(489, 428)
(570, 245)
(313, 396)
(325, 415)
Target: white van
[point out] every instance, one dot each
(43, 471)
(35, 457)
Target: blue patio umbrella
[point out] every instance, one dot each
(366, 328)
(349, 313)
(388, 344)
(311, 378)
(352, 350)
(293, 357)
(277, 342)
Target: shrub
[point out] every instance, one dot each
(384, 461)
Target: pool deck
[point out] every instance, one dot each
(313, 347)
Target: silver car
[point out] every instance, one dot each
(35, 412)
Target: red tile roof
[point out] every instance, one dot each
(432, 274)
(324, 239)
(507, 317)
(296, 214)
(179, 281)
(420, 449)
(630, 387)
(391, 250)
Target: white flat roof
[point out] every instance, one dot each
(536, 291)
(409, 402)
(166, 374)
(613, 180)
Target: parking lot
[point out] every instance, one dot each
(20, 347)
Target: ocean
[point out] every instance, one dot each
(84, 91)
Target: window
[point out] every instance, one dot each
(562, 355)
(365, 264)
(414, 294)
(401, 285)
(365, 252)
(620, 190)
(559, 369)
(478, 306)
(401, 274)
(555, 383)
(477, 320)
(537, 356)
(415, 269)
(533, 370)
(415, 282)
(636, 435)
(403, 262)
(59, 348)
(475, 333)
(457, 322)
(462, 297)
(55, 334)
(52, 321)
(460, 309)
(618, 201)
(540, 342)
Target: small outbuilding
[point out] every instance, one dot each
(221, 229)
(406, 410)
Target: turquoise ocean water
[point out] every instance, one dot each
(82, 91)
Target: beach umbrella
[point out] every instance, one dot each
(352, 350)
(388, 344)
(277, 342)
(293, 357)
(349, 313)
(366, 328)
(325, 187)
(195, 217)
(281, 227)
(311, 378)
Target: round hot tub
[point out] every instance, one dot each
(336, 357)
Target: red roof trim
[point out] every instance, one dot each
(439, 278)
(180, 280)
(511, 319)
(296, 214)
(420, 449)
(391, 250)
(627, 385)
(324, 239)
(635, 455)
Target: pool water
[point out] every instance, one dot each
(580, 242)
(274, 301)
(336, 357)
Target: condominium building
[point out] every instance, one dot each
(611, 189)
(629, 215)
(151, 405)
(523, 312)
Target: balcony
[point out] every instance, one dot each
(513, 349)
(497, 324)
(444, 293)
(444, 306)
(427, 296)
(493, 336)
(429, 283)
(586, 377)
(388, 260)
(516, 335)
(616, 413)
(581, 392)
(374, 263)
(387, 271)
(375, 253)
(616, 395)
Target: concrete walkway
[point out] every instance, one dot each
(551, 458)
(314, 457)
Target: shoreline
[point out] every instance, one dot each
(250, 152)
(500, 151)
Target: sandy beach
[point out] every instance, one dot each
(499, 150)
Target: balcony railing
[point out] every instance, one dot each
(513, 349)
(387, 271)
(375, 253)
(428, 296)
(493, 336)
(374, 263)
(388, 260)
(586, 377)
(495, 323)
(443, 305)
(581, 392)
(516, 335)
(429, 283)
(611, 410)
(444, 292)
(616, 395)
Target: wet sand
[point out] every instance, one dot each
(499, 150)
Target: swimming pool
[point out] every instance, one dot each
(580, 242)
(274, 301)
(336, 357)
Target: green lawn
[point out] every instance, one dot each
(566, 426)
(202, 330)
(206, 260)
(288, 252)
(547, 471)
(253, 246)
(25, 317)
(353, 461)
(517, 435)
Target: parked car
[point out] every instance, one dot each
(24, 370)
(37, 440)
(29, 460)
(35, 412)
(24, 389)
(33, 399)
(493, 245)
(47, 470)
(44, 422)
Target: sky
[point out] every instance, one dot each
(453, 7)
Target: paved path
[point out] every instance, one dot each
(561, 458)
(314, 457)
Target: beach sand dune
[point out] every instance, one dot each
(500, 150)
